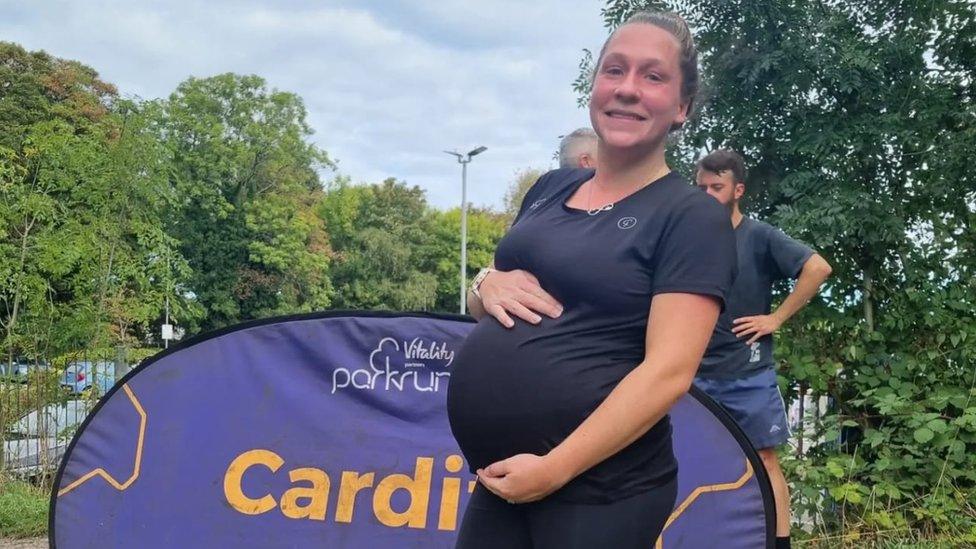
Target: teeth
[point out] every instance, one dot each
(624, 115)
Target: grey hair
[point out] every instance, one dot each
(572, 145)
(687, 57)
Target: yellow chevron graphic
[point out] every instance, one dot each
(703, 490)
(120, 486)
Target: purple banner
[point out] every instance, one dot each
(330, 430)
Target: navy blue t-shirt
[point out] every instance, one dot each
(525, 389)
(765, 255)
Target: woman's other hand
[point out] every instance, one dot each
(505, 293)
(521, 478)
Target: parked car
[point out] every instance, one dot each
(21, 368)
(52, 419)
(82, 375)
(36, 442)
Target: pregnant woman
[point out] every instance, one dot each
(564, 418)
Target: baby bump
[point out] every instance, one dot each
(507, 396)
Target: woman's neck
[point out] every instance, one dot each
(617, 169)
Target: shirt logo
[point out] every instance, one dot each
(755, 354)
(627, 223)
(538, 203)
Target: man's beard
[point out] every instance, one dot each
(730, 205)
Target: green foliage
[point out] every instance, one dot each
(524, 179)
(441, 253)
(81, 232)
(394, 252)
(23, 509)
(857, 127)
(375, 230)
(248, 183)
(210, 199)
(38, 87)
(43, 387)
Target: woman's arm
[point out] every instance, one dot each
(474, 306)
(678, 329)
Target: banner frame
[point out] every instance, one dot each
(762, 478)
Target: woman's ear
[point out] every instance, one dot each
(682, 117)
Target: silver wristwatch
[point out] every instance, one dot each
(478, 279)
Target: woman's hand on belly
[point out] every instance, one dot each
(521, 478)
(517, 293)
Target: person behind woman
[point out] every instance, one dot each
(564, 418)
(578, 149)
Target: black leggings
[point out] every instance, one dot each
(636, 522)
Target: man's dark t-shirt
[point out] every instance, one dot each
(525, 389)
(765, 255)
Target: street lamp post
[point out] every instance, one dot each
(463, 159)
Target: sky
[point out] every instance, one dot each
(389, 85)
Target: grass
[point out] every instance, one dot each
(23, 509)
(890, 539)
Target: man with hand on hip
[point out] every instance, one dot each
(738, 369)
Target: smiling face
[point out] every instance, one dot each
(636, 95)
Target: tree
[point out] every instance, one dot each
(441, 253)
(855, 119)
(38, 87)
(375, 232)
(248, 181)
(394, 252)
(80, 227)
(524, 179)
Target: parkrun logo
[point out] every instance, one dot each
(418, 372)
(309, 494)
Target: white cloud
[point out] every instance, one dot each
(388, 85)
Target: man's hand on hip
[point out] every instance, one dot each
(756, 326)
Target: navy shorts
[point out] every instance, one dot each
(755, 403)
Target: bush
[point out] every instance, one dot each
(901, 439)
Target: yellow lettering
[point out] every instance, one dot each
(317, 494)
(235, 473)
(350, 485)
(450, 495)
(308, 495)
(419, 489)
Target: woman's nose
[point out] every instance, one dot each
(627, 88)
